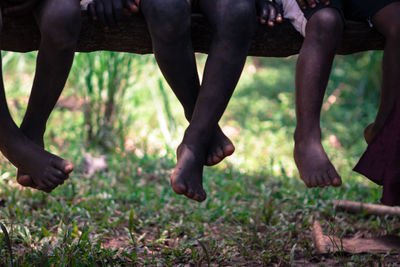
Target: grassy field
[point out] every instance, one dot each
(258, 212)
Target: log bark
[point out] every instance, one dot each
(22, 35)
(366, 208)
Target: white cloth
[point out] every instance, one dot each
(293, 13)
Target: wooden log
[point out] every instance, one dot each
(372, 209)
(22, 35)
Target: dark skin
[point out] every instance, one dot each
(110, 12)
(387, 23)
(233, 23)
(204, 104)
(233, 28)
(323, 35)
(186, 88)
(59, 23)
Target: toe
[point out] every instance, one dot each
(63, 165)
(44, 189)
(327, 180)
(190, 194)
(321, 180)
(216, 159)
(69, 167)
(59, 175)
(218, 152)
(200, 196)
(314, 181)
(337, 182)
(229, 149)
(210, 161)
(335, 178)
(25, 180)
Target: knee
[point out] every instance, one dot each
(325, 25)
(167, 19)
(237, 19)
(393, 31)
(61, 29)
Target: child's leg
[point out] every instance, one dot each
(234, 24)
(49, 169)
(387, 21)
(169, 25)
(323, 34)
(59, 24)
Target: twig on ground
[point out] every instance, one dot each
(331, 244)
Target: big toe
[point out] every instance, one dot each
(63, 165)
(337, 181)
(335, 178)
(229, 149)
(68, 167)
(200, 196)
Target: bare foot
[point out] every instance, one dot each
(23, 178)
(187, 177)
(314, 166)
(220, 147)
(45, 170)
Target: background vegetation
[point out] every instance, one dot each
(258, 212)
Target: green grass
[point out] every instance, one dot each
(257, 213)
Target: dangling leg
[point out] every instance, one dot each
(59, 23)
(323, 35)
(26, 155)
(387, 22)
(169, 25)
(234, 24)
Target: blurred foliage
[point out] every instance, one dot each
(104, 78)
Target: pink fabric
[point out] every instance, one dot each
(381, 161)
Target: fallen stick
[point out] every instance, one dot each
(319, 238)
(359, 207)
(330, 244)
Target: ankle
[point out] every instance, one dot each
(195, 137)
(301, 136)
(32, 131)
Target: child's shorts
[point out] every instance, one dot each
(358, 10)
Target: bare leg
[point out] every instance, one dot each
(59, 23)
(48, 170)
(234, 24)
(169, 25)
(387, 22)
(323, 34)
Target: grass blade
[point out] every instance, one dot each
(8, 242)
